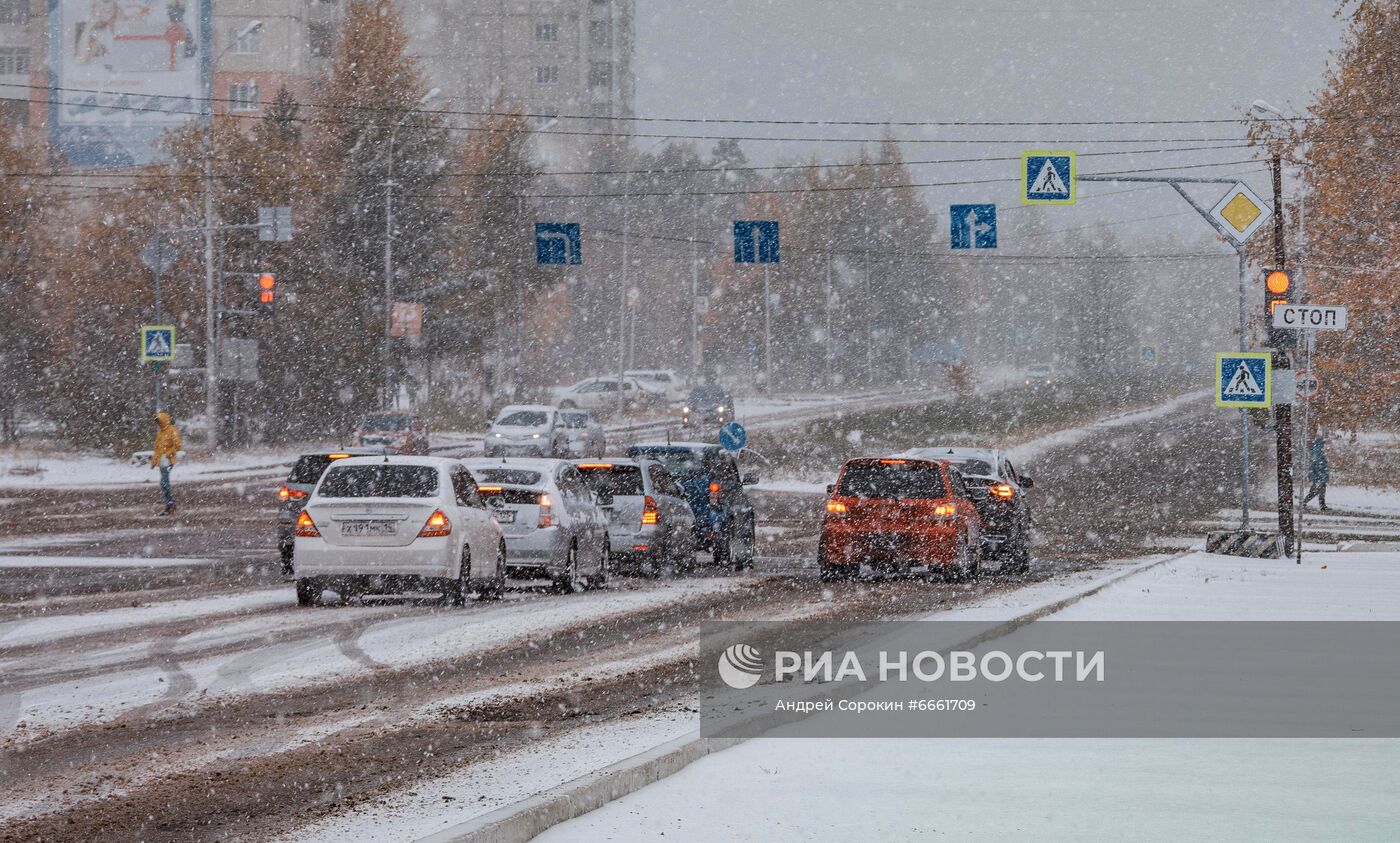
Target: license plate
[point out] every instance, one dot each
(505, 516)
(369, 528)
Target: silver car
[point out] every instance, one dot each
(527, 430)
(650, 521)
(585, 434)
(553, 526)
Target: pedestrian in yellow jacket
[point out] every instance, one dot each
(164, 454)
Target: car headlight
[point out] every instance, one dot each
(534, 436)
(685, 409)
(500, 436)
(720, 408)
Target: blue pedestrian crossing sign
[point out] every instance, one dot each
(1047, 178)
(972, 226)
(1147, 354)
(558, 243)
(755, 241)
(157, 343)
(1243, 379)
(732, 437)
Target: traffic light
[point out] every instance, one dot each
(1278, 290)
(267, 293)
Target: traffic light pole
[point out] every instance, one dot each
(1283, 413)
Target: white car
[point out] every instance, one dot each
(601, 394)
(527, 430)
(393, 524)
(553, 526)
(650, 522)
(664, 381)
(586, 436)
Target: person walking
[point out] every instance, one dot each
(1318, 472)
(163, 456)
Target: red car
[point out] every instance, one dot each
(900, 515)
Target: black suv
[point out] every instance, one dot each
(709, 476)
(999, 493)
(707, 405)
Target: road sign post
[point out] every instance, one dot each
(756, 241)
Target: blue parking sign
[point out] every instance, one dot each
(756, 241)
(558, 243)
(1047, 178)
(972, 226)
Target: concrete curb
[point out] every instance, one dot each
(524, 820)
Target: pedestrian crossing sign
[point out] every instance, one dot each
(157, 343)
(1243, 379)
(1047, 178)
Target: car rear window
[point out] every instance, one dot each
(575, 421)
(511, 476)
(891, 481)
(980, 468)
(309, 468)
(510, 496)
(617, 480)
(383, 423)
(523, 418)
(682, 463)
(379, 481)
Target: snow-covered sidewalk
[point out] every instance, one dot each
(1123, 789)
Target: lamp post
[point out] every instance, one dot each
(211, 323)
(386, 393)
(624, 321)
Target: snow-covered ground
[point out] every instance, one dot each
(1059, 789)
(57, 470)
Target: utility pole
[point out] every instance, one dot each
(386, 397)
(1283, 413)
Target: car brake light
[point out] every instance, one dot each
(892, 462)
(650, 514)
(595, 465)
(306, 528)
(546, 511)
(944, 510)
(336, 456)
(488, 490)
(836, 507)
(286, 493)
(714, 493)
(436, 525)
(1003, 491)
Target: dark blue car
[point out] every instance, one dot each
(709, 476)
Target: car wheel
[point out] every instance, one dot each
(463, 587)
(308, 592)
(492, 587)
(600, 579)
(564, 582)
(742, 549)
(967, 565)
(286, 554)
(827, 572)
(1020, 561)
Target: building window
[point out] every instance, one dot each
(320, 36)
(546, 32)
(599, 33)
(600, 74)
(243, 96)
(14, 60)
(245, 43)
(547, 74)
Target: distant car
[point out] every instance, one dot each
(601, 394)
(553, 525)
(999, 493)
(709, 476)
(1039, 376)
(527, 430)
(650, 521)
(707, 406)
(394, 524)
(292, 494)
(899, 515)
(400, 430)
(663, 381)
(585, 434)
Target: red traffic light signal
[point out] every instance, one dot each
(1277, 282)
(1278, 289)
(267, 292)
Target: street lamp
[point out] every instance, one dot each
(211, 326)
(385, 395)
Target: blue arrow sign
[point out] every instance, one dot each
(972, 226)
(558, 243)
(732, 437)
(755, 241)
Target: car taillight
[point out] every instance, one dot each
(306, 528)
(546, 511)
(944, 511)
(836, 507)
(1002, 490)
(436, 525)
(714, 494)
(287, 493)
(650, 514)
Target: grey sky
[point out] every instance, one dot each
(1010, 60)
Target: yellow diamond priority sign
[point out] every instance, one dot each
(1240, 212)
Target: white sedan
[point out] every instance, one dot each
(601, 394)
(397, 524)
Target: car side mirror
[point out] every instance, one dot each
(749, 479)
(1027, 482)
